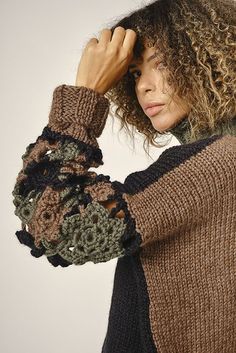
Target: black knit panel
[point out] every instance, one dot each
(169, 159)
(129, 324)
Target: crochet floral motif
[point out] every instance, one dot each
(25, 207)
(99, 191)
(47, 217)
(57, 196)
(87, 234)
(67, 151)
(92, 236)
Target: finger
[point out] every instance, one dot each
(92, 41)
(129, 40)
(118, 36)
(105, 36)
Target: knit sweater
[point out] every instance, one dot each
(174, 286)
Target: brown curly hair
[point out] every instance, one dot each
(197, 41)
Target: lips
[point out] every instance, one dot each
(154, 109)
(152, 104)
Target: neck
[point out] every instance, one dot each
(182, 130)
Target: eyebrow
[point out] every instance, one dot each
(150, 58)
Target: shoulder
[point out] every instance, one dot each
(202, 157)
(215, 147)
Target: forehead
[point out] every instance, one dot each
(147, 55)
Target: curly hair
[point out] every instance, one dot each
(197, 41)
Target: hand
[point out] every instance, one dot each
(104, 62)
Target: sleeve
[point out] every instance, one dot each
(60, 201)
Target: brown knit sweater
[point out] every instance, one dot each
(174, 286)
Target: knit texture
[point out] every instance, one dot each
(182, 130)
(174, 285)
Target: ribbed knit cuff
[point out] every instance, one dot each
(78, 111)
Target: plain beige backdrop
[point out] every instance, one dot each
(46, 309)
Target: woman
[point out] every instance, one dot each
(172, 226)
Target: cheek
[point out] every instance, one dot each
(178, 110)
(138, 96)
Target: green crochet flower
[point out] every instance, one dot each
(73, 199)
(25, 206)
(67, 151)
(91, 236)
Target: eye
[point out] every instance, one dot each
(133, 74)
(158, 64)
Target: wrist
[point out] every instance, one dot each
(89, 85)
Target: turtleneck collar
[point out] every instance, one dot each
(182, 130)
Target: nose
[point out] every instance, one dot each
(145, 83)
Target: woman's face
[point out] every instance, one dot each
(151, 87)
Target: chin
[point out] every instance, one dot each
(162, 126)
(164, 123)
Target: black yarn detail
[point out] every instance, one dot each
(72, 180)
(83, 201)
(57, 260)
(75, 210)
(101, 177)
(130, 239)
(86, 199)
(26, 238)
(37, 180)
(91, 153)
